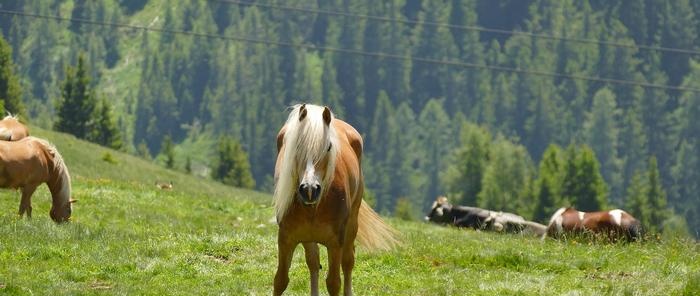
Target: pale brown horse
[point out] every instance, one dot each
(11, 129)
(613, 224)
(26, 164)
(318, 198)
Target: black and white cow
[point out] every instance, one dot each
(442, 212)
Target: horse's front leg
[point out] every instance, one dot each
(25, 205)
(348, 265)
(314, 264)
(284, 261)
(335, 255)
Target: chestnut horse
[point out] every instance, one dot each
(612, 224)
(318, 198)
(11, 129)
(27, 163)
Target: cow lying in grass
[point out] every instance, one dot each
(442, 212)
(611, 225)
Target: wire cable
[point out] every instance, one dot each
(462, 27)
(357, 52)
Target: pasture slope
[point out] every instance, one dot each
(203, 238)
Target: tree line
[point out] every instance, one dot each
(419, 119)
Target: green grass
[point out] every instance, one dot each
(203, 238)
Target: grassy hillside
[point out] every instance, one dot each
(203, 238)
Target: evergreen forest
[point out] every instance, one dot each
(515, 105)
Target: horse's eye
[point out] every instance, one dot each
(329, 147)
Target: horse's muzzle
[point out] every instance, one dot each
(309, 193)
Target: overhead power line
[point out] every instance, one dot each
(356, 52)
(463, 27)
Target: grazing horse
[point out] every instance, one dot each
(27, 163)
(11, 129)
(612, 224)
(318, 198)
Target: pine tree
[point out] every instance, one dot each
(10, 89)
(76, 110)
(548, 184)
(466, 170)
(168, 151)
(601, 133)
(686, 171)
(506, 179)
(435, 129)
(232, 166)
(105, 131)
(656, 198)
(636, 202)
(583, 184)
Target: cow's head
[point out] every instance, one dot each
(440, 211)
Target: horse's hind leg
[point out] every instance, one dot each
(284, 261)
(25, 205)
(314, 264)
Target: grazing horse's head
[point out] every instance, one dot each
(62, 212)
(307, 150)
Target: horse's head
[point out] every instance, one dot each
(438, 211)
(315, 152)
(307, 150)
(62, 212)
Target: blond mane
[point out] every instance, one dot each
(60, 168)
(10, 116)
(307, 139)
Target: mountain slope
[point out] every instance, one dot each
(203, 238)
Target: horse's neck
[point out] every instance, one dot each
(59, 185)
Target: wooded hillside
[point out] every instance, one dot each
(458, 97)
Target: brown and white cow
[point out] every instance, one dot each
(613, 224)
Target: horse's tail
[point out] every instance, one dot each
(372, 232)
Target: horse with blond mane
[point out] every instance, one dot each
(318, 198)
(11, 129)
(26, 164)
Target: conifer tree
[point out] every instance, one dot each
(168, 151)
(635, 201)
(232, 166)
(465, 172)
(656, 198)
(105, 131)
(77, 107)
(10, 90)
(601, 132)
(548, 184)
(583, 184)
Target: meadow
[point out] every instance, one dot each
(128, 237)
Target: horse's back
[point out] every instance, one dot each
(351, 134)
(23, 161)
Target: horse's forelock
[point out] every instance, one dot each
(309, 139)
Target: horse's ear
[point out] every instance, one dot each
(327, 115)
(302, 112)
